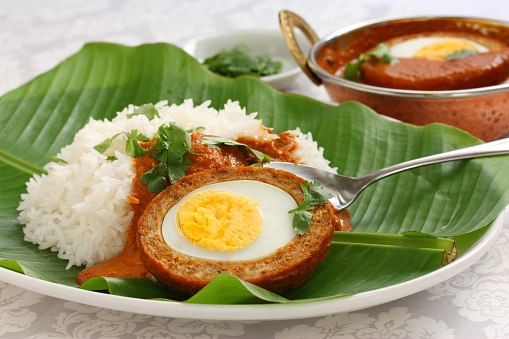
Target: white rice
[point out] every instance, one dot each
(80, 209)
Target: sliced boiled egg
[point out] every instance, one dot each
(434, 47)
(230, 221)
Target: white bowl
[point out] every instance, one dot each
(260, 42)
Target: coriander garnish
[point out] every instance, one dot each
(315, 196)
(217, 141)
(148, 110)
(242, 61)
(172, 144)
(132, 146)
(460, 54)
(353, 70)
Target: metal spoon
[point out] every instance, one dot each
(346, 189)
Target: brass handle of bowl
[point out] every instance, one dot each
(288, 21)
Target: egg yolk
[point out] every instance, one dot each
(439, 50)
(220, 221)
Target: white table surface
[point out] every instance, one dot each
(36, 35)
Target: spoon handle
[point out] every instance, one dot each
(498, 147)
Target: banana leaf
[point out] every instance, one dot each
(349, 268)
(455, 200)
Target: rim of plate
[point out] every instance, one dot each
(294, 310)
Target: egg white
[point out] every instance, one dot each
(407, 48)
(277, 222)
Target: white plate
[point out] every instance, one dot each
(264, 311)
(260, 42)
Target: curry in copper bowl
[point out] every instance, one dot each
(418, 70)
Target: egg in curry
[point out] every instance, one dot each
(435, 61)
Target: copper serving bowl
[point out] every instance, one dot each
(483, 112)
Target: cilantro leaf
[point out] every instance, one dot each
(175, 137)
(170, 149)
(241, 60)
(217, 141)
(155, 182)
(353, 70)
(172, 144)
(198, 129)
(148, 110)
(383, 52)
(266, 66)
(316, 195)
(132, 147)
(301, 221)
(460, 54)
(103, 146)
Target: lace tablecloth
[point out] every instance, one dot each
(37, 35)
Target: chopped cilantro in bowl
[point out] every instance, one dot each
(280, 72)
(240, 60)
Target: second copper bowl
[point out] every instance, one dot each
(483, 112)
